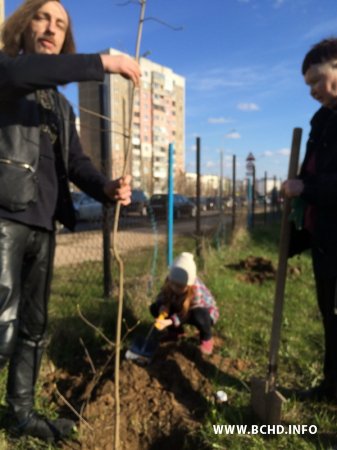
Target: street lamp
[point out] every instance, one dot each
(250, 166)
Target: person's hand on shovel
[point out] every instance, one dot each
(161, 322)
(292, 188)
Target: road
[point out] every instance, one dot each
(135, 233)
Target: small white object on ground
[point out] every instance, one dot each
(221, 396)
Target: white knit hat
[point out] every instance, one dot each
(183, 269)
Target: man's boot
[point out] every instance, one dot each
(22, 375)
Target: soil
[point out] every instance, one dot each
(163, 404)
(257, 270)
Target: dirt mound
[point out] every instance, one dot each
(257, 270)
(162, 404)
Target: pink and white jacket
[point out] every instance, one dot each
(202, 299)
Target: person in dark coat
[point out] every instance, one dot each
(316, 188)
(40, 152)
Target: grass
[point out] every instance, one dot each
(244, 326)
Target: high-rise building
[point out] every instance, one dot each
(158, 120)
(2, 11)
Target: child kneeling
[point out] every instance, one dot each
(184, 299)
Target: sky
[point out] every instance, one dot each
(241, 60)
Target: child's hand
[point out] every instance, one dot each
(161, 324)
(163, 312)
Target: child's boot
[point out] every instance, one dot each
(206, 347)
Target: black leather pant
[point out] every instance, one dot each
(26, 258)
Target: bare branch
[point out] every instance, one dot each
(88, 356)
(129, 2)
(94, 327)
(129, 330)
(65, 401)
(162, 22)
(155, 19)
(115, 246)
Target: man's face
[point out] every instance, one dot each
(46, 32)
(322, 80)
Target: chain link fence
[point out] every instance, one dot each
(79, 254)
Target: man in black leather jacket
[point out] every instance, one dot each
(317, 187)
(39, 152)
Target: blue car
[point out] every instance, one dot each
(182, 206)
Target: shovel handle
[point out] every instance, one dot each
(161, 316)
(282, 262)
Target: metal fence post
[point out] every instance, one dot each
(198, 193)
(233, 192)
(170, 205)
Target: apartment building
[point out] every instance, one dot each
(158, 120)
(209, 184)
(2, 11)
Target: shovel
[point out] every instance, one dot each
(143, 348)
(265, 399)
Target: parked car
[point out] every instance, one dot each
(239, 202)
(213, 203)
(139, 203)
(182, 206)
(86, 208)
(203, 202)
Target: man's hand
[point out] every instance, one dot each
(122, 64)
(292, 188)
(119, 190)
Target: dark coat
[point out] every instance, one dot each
(320, 191)
(20, 77)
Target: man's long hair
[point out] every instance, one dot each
(14, 27)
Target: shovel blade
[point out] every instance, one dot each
(141, 360)
(266, 404)
(259, 391)
(274, 407)
(144, 346)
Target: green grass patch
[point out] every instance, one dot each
(244, 326)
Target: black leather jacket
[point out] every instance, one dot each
(19, 149)
(20, 77)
